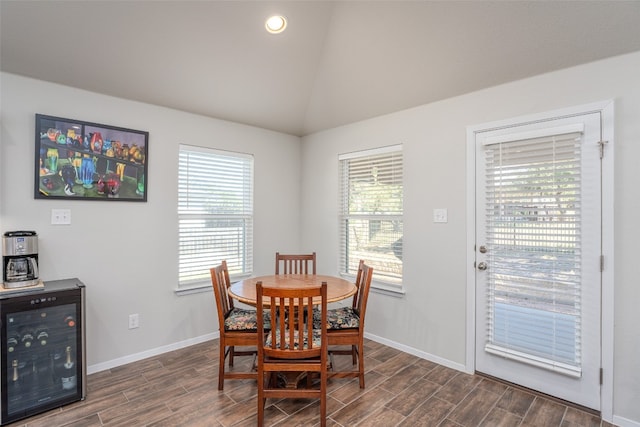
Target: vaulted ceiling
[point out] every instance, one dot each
(338, 62)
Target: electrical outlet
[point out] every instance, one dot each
(440, 215)
(134, 321)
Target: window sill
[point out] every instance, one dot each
(381, 287)
(201, 287)
(389, 290)
(195, 288)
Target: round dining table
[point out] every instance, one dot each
(337, 287)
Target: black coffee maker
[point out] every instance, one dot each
(20, 259)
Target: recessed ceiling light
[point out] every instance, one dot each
(276, 24)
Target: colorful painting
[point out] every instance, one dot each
(89, 161)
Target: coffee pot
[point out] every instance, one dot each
(20, 259)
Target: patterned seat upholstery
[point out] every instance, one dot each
(338, 318)
(316, 337)
(240, 319)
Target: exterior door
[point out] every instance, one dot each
(538, 256)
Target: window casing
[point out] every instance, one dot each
(215, 213)
(371, 213)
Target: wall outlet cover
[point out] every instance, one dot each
(440, 215)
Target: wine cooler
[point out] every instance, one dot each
(43, 349)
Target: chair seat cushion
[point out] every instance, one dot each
(338, 318)
(240, 319)
(316, 337)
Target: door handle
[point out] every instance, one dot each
(482, 266)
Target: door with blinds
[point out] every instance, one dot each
(538, 254)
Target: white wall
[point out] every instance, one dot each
(430, 318)
(126, 253)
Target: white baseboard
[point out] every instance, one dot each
(623, 422)
(417, 353)
(150, 353)
(197, 340)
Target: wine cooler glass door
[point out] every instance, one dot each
(41, 352)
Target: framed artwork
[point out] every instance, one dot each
(89, 161)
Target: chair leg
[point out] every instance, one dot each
(231, 354)
(261, 399)
(323, 398)
(354, 359)
(221, 367)
(361, 362)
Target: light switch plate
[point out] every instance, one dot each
(440, 215)
(60, 216)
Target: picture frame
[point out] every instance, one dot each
(79, 160)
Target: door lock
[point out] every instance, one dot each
(482, 249)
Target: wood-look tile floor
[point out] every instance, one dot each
(180, 389)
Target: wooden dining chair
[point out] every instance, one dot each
(296, 263)
(292, 345)
(238, 327)
(345, 326)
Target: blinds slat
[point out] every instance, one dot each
(534, 246)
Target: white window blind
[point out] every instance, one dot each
(371, 213)
(533, 202)
(215, 211)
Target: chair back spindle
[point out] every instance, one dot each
(295, 263)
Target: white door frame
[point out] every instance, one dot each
(606, 109)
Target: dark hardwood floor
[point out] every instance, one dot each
(180, 389)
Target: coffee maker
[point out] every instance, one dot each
(20, 259)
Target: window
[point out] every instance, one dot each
(371, 212)
(534, 246)
(215, 213)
